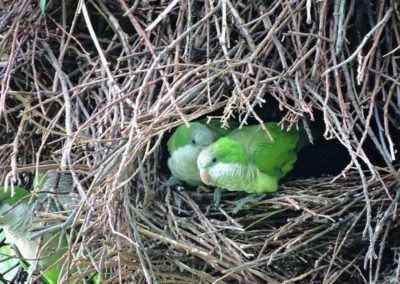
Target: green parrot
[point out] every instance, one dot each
(60, 184)
(185, 145)
(248, 160)
(17, 218)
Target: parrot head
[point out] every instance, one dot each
(198, 136)
(184, 146)
(220, 159)
(8, 201)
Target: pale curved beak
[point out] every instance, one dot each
(204, 176)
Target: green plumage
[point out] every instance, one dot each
(247, 159)
(8, 263)
(18, 218)
(20, 222)
(273, 157)
(180, 137)
(223, 150)
(17, 222)
(20, 195)
(185, 145)
(183, 134)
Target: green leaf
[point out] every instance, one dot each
(42, 4)
(8, 263)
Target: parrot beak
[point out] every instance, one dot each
(204, 176)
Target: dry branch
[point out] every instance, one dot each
(93, 87)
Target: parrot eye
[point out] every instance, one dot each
(193, 142)
(214, 160)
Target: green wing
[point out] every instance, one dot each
(272, 157)
(19, 192)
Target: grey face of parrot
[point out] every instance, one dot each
(202, 137)
(182, 162)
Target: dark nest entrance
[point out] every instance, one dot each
(93, 88)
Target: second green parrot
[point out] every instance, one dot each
(248, 160)
(185, 145)
(18, 218)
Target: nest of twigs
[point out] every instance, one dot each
(94, 88)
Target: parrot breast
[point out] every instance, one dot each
(16, 231)
(182, 164)
(233, 176)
